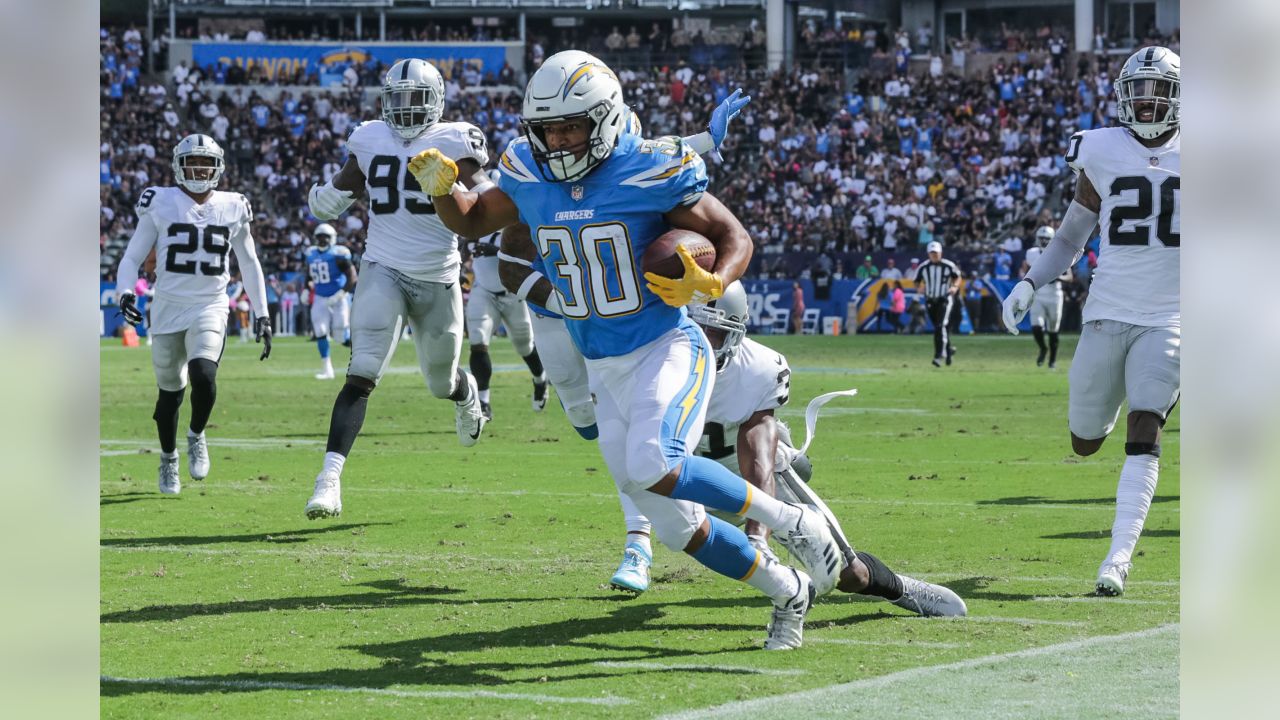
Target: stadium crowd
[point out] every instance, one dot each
(821, 177)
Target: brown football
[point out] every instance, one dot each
(660, 257)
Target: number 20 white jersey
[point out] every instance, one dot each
(1137, 277)
(192, 241)
(404, 231)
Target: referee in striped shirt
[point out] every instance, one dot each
(939, 280)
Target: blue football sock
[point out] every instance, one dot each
(323, 344)
(712, 485)
(727, 551)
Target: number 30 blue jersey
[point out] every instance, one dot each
(592, 233)
(324, 270)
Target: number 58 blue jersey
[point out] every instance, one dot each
(323, 266)
(591, 234)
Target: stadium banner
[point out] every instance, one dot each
(867, 298)
(284, 57)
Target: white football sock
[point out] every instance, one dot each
(333, 462)
(326, 365)
(169, 456)
(773, 513)
(774, 579)
(640, 540)
(193, 434)
(484, 396)
(1133, 500)
(636, 521)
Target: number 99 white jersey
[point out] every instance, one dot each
(1137, 277)
(404, 231)
(192, 241)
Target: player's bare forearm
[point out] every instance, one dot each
(711, 219)
(517, 244)
(757, 447)
(473, 214)
(350, 177)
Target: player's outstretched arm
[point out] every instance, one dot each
(135, 254)
(713, 137)
(254, 284)
(469, 213)
(516, 254)
(1059, 255)
(757, 447)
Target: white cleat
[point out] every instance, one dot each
(325, 375)
(810, 541)
(470, 416)
(198, 456)
(633, 574)
(326, 501)
(929, 600)
(1111, 577)
(170, 476)
(786, 627)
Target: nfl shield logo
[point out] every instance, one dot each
(575, 192)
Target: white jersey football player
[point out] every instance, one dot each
(1046, 308)
(1129, 183)
(743, 434)
(191, 227)
(490, 305)
(410, 267)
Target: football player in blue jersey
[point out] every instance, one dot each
(595, 197)
(332, 277)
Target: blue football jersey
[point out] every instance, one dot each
(325, 273)
(592, 233)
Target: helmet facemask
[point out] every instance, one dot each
(410, 108)
(1160, 95)
(198, 177)
(719, 325)
(572, 163)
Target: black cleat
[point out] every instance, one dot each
(486, 410)
(1040, 358)
(937, 362)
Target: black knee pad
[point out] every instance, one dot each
(202, 371)
(357, 387)
(803, 467)
(1133, 448)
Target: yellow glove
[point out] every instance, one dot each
(697, 285)
(434, 172)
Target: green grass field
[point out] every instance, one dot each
(473, 582)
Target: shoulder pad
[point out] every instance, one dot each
(516, 163)
(341, 251)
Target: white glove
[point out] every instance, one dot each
(1017, 304)
(328, 202)
(336, 299)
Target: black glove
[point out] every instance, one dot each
(262, 334)
(129, 309)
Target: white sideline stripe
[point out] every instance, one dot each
(823, 696)
(321, 550)
(1103, 600)
(887, 643)
(276, 685)
(642, 665)
(613, 496)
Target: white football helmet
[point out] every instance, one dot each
(325, 235)
(197, 146)
(1151, 75)
(573, 84)
(727, 313)
(1044, 235)
(412, 97)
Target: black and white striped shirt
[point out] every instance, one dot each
(936, 277)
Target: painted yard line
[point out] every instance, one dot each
(994, 619)
(1103, 600)
(797, 702)
(641, 665)
(886, 643)
(320, 550)
(431, 694)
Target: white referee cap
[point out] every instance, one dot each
(934, 246)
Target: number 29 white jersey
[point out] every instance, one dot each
(1137, 277)
(404, 231)
(192, 241)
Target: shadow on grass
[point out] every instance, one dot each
(1041, 500)
(432, 661)
(121, 498)
(284, 536)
